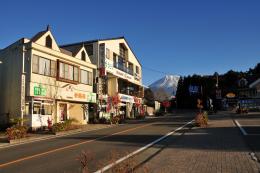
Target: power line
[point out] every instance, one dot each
(158, 71)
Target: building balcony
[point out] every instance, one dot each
(123, 68)
(132, 90)
(131, 93)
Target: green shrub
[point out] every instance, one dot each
(16, 132)
(58, 127)
(159, 113)
(64, 126)
(116, 120)
(242, 110)
(139, 117)
(104, 120)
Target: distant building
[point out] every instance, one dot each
(41, 81)
(249, 95)
(256, 86)
(119, 76)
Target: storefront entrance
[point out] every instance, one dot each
(38, 111)
(63, 112)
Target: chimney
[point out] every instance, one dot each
(48, 28)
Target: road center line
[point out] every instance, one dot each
(70, 146)
(140, 149)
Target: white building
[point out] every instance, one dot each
(41, 81)
(119, 75)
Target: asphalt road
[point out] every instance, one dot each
(61, 154)
(251, 125)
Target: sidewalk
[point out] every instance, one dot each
(218, 148)
(32, 137)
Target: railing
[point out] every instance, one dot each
(127, 91)
(123, 68)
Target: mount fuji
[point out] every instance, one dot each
(165, 88)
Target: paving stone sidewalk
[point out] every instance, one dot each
(218, 148)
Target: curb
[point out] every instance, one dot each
(51, 136)
(57, 135)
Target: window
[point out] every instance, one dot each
(68, 72)
(53, 68)
(43, 66)
(114, 60)
(36, 108)
(121, 63)
(137, 69)
(35, 64)
(123, 50)
(107, 53)
(46, 109)
(76, 74)
(83, 56)
(86, 77)
(61, 75)
(130, 68)
(90, 78)
(71, 72)
(48, 42)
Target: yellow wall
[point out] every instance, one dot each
(76, 112)
(112, 86)
(113, 46)
(41, 41)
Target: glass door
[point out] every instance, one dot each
(63, 111)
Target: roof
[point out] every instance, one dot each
(66, 52)
(96, 40)
(73, 49)
(254, 83)
(41, 33)
(38, 35)
(92, 41)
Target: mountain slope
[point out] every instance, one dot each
(165, 87)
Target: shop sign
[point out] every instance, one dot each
(231, 95)
(193, 89)
(101, 52)
(109, 65)
(126, 98)
(88, 96)
(23, 93)
(72, 93)
(39, 90)
(123, 75)
(91, 97)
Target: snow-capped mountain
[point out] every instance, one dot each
(165, 87)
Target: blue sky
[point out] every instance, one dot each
(175, 37)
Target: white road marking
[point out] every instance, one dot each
(140, 149)
(241, 128)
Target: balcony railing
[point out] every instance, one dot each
(136, 93)
(123, 68)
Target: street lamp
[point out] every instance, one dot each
(216, 74)
(1, 62)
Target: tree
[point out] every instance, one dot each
(149, 97)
